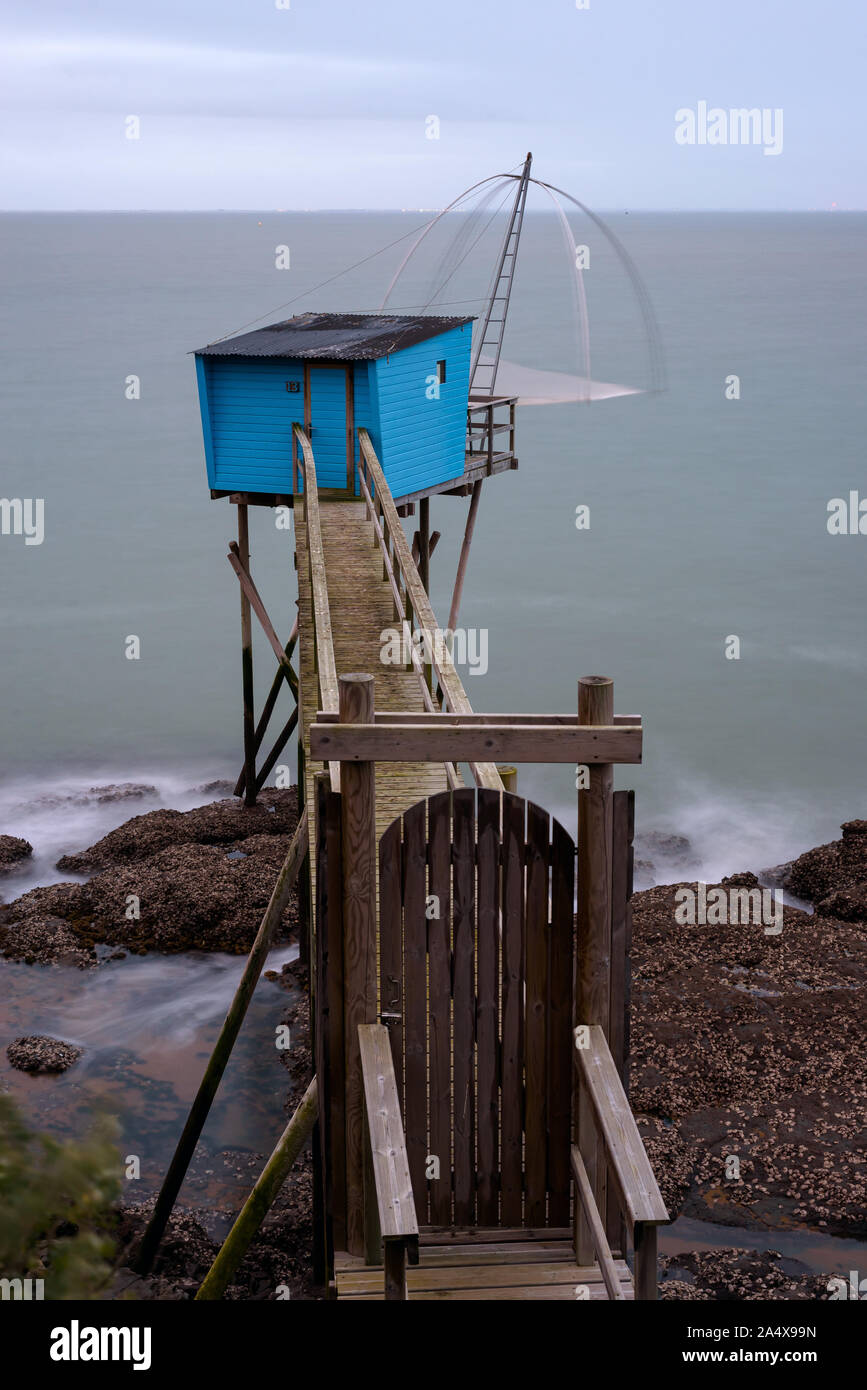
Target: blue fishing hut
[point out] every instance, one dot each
(405, 379)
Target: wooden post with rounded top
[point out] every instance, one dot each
(593, 964)
(358, 840)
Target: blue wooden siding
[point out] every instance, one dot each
(421, 439)
(251, 415)
(247, 415)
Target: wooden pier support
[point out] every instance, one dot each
(593, 981)
(268, 708)
(261, 1199)
(247, 664)
(465, 555)
(201, 1106)
(358, 844)
(424, 542)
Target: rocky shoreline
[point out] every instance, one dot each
(166, 881)
(748, 1074)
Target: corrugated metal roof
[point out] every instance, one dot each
(339, 337)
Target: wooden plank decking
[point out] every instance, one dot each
(486, 1264)
(361, 608)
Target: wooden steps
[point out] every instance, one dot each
(485, 1264)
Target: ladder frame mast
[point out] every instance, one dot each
(514, 230)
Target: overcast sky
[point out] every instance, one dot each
(325, 104)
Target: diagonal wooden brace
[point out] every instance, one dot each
(258, 608)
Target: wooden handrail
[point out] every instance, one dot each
(378, 498)
(396, 1224)
(323, 643)
(597, 1230)
(635, 1186)
(406, 634)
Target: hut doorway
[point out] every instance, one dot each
(329, 421)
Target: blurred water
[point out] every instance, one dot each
(147, 1026)
(708, 516)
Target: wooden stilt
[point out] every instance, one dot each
(268, 707)
(356, 695)
(247, 664)
(465, 554)
(416, 551)
(201, 1106)
(593, 975)
(261, 1199)
(281, 741)
(424, 542)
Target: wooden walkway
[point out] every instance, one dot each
(486, 1264)
(361, 609)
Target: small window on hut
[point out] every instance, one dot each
(441, 372)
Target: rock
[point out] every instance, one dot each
(218, 788)
(727, 1274)
(38, 1054)
(206, 893)
(189, 897)
(745, 880)
(122, 791)
(671, 1157)
(659, 853)
(840, 867)
(12, 851)
(220, 822)
(748, 1045)
(846, 907)
(42, 939)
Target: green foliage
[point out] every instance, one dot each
(55, 1205)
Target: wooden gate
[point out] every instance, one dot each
(477, 935)
(477, 949)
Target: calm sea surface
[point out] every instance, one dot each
(708, 515)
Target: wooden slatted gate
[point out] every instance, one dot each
(476, 953)
(476, 966)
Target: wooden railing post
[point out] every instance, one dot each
(646, 1265)
(593, 968)
(356, 706)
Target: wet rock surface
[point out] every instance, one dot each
(736, 1274)
(220, 822)
(44, 939)
(167, 881)
(12, 851)
(277, 1266)
(749, 1074)
(837, 871)
(38, 1054)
